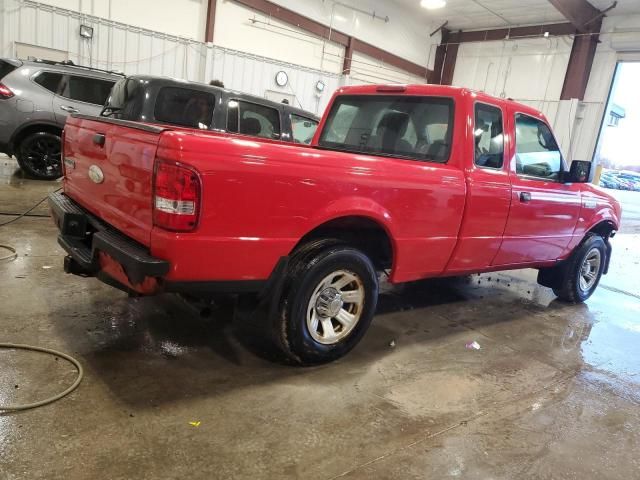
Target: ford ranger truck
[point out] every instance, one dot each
(418, 181)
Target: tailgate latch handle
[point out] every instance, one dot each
(99, 139)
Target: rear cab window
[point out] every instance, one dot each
(537, 153)
(253, 119)
(303, 128)
(411, 127)
(185, 107)
(488, 136)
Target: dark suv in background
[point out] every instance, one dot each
(160, 100)
(36, 96)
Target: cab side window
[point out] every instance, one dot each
(488, 136)
(303, 129)
(537, 153)
(185, 107)
(253, 119)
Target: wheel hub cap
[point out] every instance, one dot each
(329, 302)
(590, 269)
(335, 307)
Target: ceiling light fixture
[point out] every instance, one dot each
(432, 4)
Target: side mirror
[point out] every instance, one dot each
(580, 172)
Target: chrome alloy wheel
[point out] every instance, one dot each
(590, 269)
(335, 307)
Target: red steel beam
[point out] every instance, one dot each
(583, 52)
(348, 57)
(391, 59)
(447, 51)
(516, 32)
(441, 53)
(292, 18)
(304, 23)
(579, 12)
(211, 21)
(451, 55)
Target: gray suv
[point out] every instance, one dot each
(36, 96)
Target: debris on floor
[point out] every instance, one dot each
(194, 424)
(392, 343)
(472, 345)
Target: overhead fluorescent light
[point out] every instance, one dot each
(432, 4)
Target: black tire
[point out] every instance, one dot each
(569, 287)
(39, 155)
(308, 269)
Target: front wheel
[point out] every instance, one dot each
(329, 301)
(583, 270)
(39, 155)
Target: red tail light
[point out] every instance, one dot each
(5, 92)
(176, 197)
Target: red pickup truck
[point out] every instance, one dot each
(418, 181)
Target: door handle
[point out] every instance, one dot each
(69, 109)
(99, 139)
(525, 197)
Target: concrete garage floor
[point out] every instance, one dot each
(552, 393)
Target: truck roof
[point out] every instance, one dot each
(437, 90)
(169, 81)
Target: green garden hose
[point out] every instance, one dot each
(47, 401)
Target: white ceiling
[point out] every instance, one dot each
(624, 7)
(481, 14)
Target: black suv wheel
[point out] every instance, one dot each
(39, 155)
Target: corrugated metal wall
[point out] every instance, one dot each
(117, 46)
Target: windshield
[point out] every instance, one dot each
(414, 127)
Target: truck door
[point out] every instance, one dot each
(544, 211)
(488, 192)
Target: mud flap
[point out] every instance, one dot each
(256, 312)
(552, 277)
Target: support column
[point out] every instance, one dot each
(450, 59)
(211, 21)
(580, 62)
(348, 57)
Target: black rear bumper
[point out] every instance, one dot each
(83, 236)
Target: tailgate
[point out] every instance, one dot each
(109, 171)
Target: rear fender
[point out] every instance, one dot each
(357, 207)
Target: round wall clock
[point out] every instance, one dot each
(282, 78)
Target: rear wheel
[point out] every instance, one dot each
(582, 272)
(329, 301)
(39, 155)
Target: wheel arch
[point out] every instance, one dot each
(361, 231)
(33, 127)
(604, 228)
